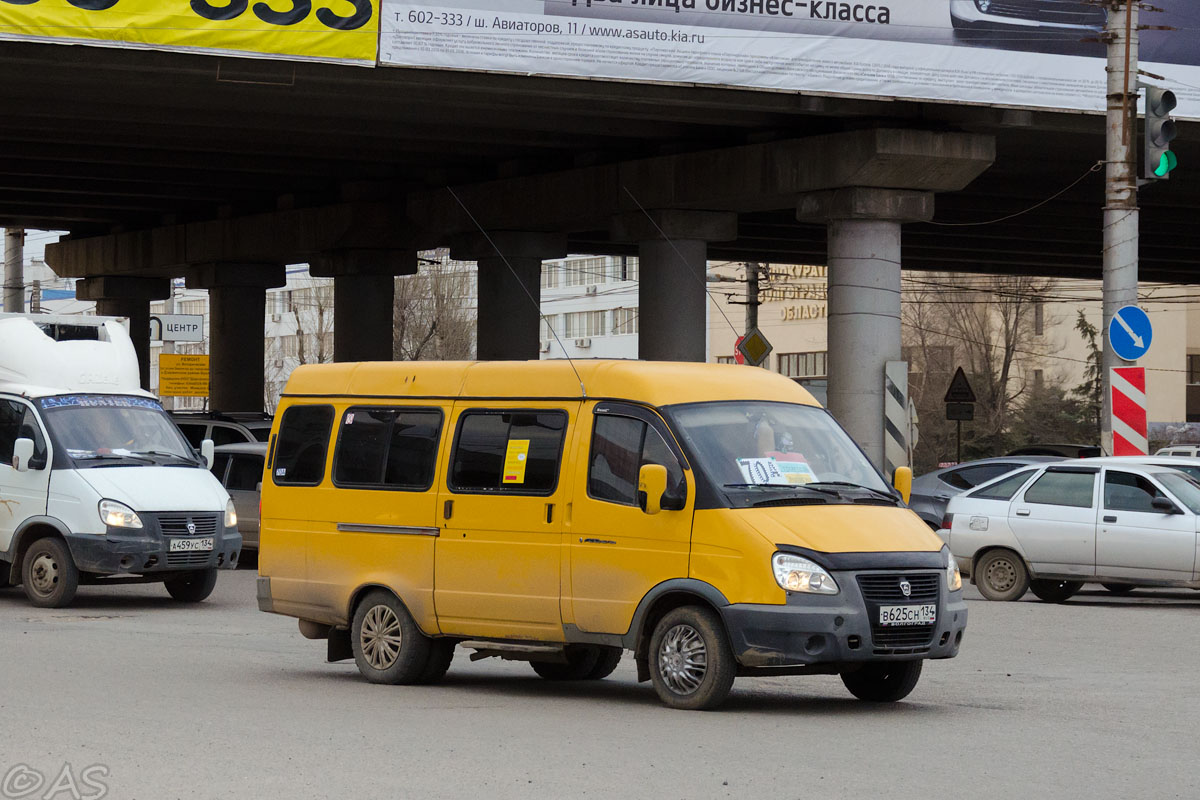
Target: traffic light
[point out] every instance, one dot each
(1160, 130)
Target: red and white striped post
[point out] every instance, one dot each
(1129, 411)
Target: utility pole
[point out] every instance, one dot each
(753, 272)
(168, 348)
(14, 270)
(1121, 193)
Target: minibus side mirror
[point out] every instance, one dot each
(652, 483)
(1164, 506)
(22, 454)
(902, 480)
(208, 452)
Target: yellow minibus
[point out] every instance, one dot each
(712, 519)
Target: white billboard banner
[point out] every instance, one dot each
(1028, 53)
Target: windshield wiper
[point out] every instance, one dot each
(803, 486)
(849, 485)
(97, 456)
(161, 454)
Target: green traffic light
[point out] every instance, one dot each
(1167, 162)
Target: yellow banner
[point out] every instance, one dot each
(341, 30)
(182, 376)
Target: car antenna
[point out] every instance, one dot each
(532, 299)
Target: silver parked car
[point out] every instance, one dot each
(239, 468)
(1052, 528)
(933, 490)
(1061, 15)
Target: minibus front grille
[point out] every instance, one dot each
(886, 588)
(197, 559)
(177, 524)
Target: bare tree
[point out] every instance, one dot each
(434, 314)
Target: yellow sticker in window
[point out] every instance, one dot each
(515, 460)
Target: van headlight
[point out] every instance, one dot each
(798, 574)
(230, 515)
(118, 515)
(953, 576)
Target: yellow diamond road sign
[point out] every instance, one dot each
(755, 347)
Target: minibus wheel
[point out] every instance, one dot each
(1055, 591)
(1001, 575)
(388, 646)
(48, 574)
(883, 681)
(691, 663)
(581, 662)
(441, 653)
(609, 658)
(194, 587)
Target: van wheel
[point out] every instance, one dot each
(1055, 591)
(691, 663)
(609, 658)
(49, 575)
(1001, 575)
(441, 653)
(883, 681)
(388, 646)
(194, 587)
(581, 662)
(1115, 588)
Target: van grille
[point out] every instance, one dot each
(177, 524)
(199, 559)
(880, 590)
(886, 588)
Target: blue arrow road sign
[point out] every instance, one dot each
(1130, 333)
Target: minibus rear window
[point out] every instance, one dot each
(508, 451)
(387, 448)
(301, 446)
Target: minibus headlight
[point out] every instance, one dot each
(230, 515)
(953, 576)
(118, 515)
(798, 574)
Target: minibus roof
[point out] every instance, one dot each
(655, 383)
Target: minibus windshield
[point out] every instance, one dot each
(113, 430)
(775, 447)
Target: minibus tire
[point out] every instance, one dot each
(1001, 575)
(685, 629)
(194, 587)
(1051, 591)
(581, 662)
(609, 658)
(403, 663)
(1115, 588)
(56, 574)
(441, 653)
(883, 681)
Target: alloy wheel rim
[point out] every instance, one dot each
(683, 659)
(381, 637)
(1001, 575)
(44, 574)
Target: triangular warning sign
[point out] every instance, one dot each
(960, 390)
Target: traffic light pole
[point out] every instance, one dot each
(1121, 194)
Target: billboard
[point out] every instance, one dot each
(1031, 53)
(324, 30)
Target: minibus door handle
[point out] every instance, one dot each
(549, 513)
(448, 509)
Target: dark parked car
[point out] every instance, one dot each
(223, 428)
(933, 490)
(239, 468)
(1060, 450)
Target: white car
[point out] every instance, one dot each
(1052, 528)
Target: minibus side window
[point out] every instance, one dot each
(17, 422)
(489, 446)
(387, 448)
(620, 447)
(301, 445)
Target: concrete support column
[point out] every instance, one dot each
(672, 288)
(510, 286)
(864, 227)
(364, 296)
(237, 307)
(121, 296)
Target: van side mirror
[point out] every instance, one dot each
(22, 454)
(208, 452)
(902, 480)
(1164, 506)
(652, 483)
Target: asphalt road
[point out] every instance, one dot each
(1095, 698)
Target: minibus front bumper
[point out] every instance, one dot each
(149, 550)
(811, 630)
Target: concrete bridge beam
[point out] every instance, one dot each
(123, 296)
(364, 295)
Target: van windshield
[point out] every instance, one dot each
(778, 448)
(114, 431)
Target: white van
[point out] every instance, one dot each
(97, 485)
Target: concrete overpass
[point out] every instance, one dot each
(222, 170)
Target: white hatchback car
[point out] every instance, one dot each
(1052, 528)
